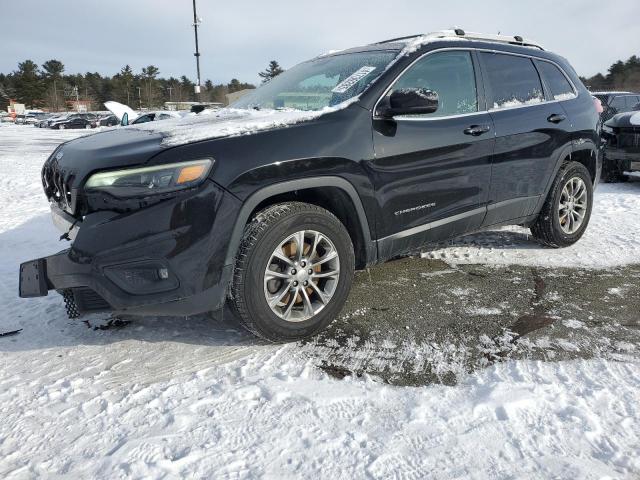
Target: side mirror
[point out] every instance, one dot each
(409, 101)
(125, 120)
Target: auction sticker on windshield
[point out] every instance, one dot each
(351, 80)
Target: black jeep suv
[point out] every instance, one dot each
(339, 163)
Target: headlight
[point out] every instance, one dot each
(607, 129)
(151, 180)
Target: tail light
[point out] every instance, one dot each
(598, 105)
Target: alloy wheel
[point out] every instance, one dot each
(301, 275)
(572, 207)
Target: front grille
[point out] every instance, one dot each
(57, 185)
(629, 138)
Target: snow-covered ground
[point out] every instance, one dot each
(198, 398)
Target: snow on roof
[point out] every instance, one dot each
(414, 43)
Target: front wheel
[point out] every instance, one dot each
(61, 127)
(567, 210)
(293, 271)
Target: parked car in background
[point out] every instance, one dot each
(87, 118)
(156, 116)
(614, 103)
(73, 122)
(42, 121)
(621, 146)
(109, 121)
(341, 162)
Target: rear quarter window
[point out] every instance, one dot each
(561, 88)
(513, 81)
(619, 104)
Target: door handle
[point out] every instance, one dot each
(476, 130)
(556, 118)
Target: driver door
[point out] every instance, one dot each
(432, 171)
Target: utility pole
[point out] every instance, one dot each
(139, 99)
(170, 90)
(75, 90)
(196, 24)
(55, 95)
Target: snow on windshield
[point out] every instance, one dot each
(300, 94)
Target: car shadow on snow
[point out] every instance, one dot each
(410, 321)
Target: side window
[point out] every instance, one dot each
(619, 104)
(560, 87)
(513, 81)
(451, 76)
(632, 101)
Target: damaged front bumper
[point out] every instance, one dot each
(166, 259)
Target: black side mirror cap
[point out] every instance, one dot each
(408, 101)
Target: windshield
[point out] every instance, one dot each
(319, 83)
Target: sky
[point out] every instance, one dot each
(238, 39)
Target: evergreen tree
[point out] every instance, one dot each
(149, 75)
(29, 85)
(52, 72)
(273, 70)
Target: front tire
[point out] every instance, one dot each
(293, 272)
(567, 210)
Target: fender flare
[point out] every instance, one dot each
(565, 152)
(250, 204)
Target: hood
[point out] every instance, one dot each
(624, 120)
(229, 122)
(71, 163)
(113, 148)
(119, 109)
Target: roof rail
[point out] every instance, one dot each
(487, 37)
(399, 39)
(459, 33)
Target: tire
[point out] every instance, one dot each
(61, 127)
(549, 228)
(301, 314)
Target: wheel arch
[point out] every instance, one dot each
(587, 155)
(333, 193)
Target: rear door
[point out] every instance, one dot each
(431, 172)
(531, 129)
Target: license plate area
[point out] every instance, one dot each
(64, 222)
(635, 166)
(33, 279)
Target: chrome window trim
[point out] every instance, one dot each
(480, 111)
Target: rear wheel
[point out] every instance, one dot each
(566, 212)
(293, 271)
(61, 127)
